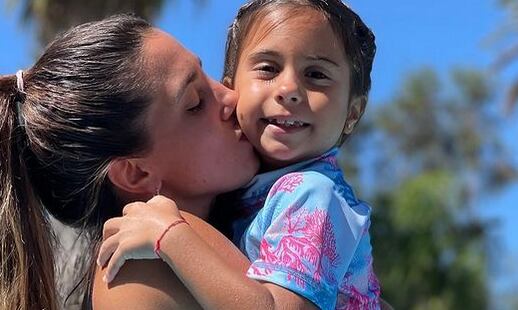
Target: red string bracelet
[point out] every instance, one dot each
(173, 224)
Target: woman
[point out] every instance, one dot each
(113, 111)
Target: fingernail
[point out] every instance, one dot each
(105, 279)
(227, 110)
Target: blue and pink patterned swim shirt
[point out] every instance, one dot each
(303, 229)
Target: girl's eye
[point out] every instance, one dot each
(266, 71)
(198, 107)
(266, 68)
(317, 75)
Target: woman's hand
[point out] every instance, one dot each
(134, 235)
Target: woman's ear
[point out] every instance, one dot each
(354, 113)
(129, 175)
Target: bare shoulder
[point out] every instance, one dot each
(142, 284)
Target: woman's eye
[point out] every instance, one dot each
(198, 107)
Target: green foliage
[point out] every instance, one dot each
(436, 148)
(428, 127)
(425, 257)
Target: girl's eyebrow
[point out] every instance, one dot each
(263, 53)
(271, 53)
(322, 58)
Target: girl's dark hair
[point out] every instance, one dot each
(82, 105)
(357, 38)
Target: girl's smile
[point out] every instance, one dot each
(293, 80)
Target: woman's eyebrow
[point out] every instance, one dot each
(191, 77)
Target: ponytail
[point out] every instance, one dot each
(26, 262)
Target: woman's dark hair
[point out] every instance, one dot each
(357, 38)
(82, 105)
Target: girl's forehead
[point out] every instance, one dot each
(283, 20)
(288, 16)
(305, 28)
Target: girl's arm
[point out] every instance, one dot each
(152, 284)
(212, 278)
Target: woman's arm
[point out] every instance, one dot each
(152, 284)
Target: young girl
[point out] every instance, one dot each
(302, 68)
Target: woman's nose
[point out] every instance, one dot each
(289, 91)
(226, 97)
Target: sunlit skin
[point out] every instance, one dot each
(293, 80)
(197, 151)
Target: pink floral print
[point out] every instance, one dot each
(287, 183)
(311, 236)
(307, 243)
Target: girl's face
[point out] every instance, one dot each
(293, 81)
(198, 151)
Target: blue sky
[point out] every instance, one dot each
(440, 34)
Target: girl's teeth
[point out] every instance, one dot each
(287, 123)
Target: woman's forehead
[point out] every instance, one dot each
(167, 61)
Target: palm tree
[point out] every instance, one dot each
(52, 16)
(510, 54)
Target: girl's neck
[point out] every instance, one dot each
(269, 165)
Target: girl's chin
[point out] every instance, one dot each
(276, 160)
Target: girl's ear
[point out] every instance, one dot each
(354, 113)
(129, 175)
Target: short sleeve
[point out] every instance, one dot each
(308, 236)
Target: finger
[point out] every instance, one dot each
(116, 262)
(162, 203)
(159, 199)
(131, 207)
(111, 227)
(108, 247)
(228, 112)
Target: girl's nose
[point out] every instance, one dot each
(289, 91)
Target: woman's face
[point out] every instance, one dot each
(197, 149)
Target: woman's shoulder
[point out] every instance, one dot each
(142, 284)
